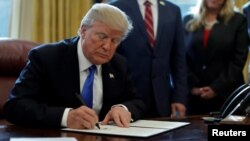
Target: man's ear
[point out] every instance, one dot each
(82, 31)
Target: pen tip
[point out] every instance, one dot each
(98, 125)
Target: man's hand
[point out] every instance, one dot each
(178, 110)
(207, 93)
(82, 118)
(196, 91)
(119, 115)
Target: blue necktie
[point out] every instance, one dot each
(87, 90)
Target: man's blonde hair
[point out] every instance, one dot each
(109, 15)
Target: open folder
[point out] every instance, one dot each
(140, 128)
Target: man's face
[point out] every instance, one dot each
(100, 42)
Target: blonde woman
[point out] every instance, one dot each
(216, 49)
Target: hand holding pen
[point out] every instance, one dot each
(82, 118)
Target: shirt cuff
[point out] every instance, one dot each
(123, 106)
(65, 117)
(120, 105)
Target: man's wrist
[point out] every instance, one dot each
(125, 107)
(120, 105)
(65, 117)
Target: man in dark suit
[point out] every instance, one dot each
(46, 92)
(246, 71)
(159, 71)
(246, 11)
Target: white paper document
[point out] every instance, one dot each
(140, 128)
(158, 124)
(45, 139)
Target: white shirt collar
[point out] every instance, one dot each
(141, 2)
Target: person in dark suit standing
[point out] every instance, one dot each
(246, 11)
(216, 49)
(159, 68)
(47, 90)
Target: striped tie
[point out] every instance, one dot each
(149, 22)
(87, 90)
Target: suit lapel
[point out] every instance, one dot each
(162, 15)
(72, 67)
(108, 75)
(109, 83)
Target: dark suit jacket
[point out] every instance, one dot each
(49, 82)
(152, 68)
(246, 10)
(220, 64)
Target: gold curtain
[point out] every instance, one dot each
(21, 17)
(55, 20)
(240, 3)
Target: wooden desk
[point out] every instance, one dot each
(196, 131)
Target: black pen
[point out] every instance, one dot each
(83, 103)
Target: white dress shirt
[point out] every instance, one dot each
(84, 64)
